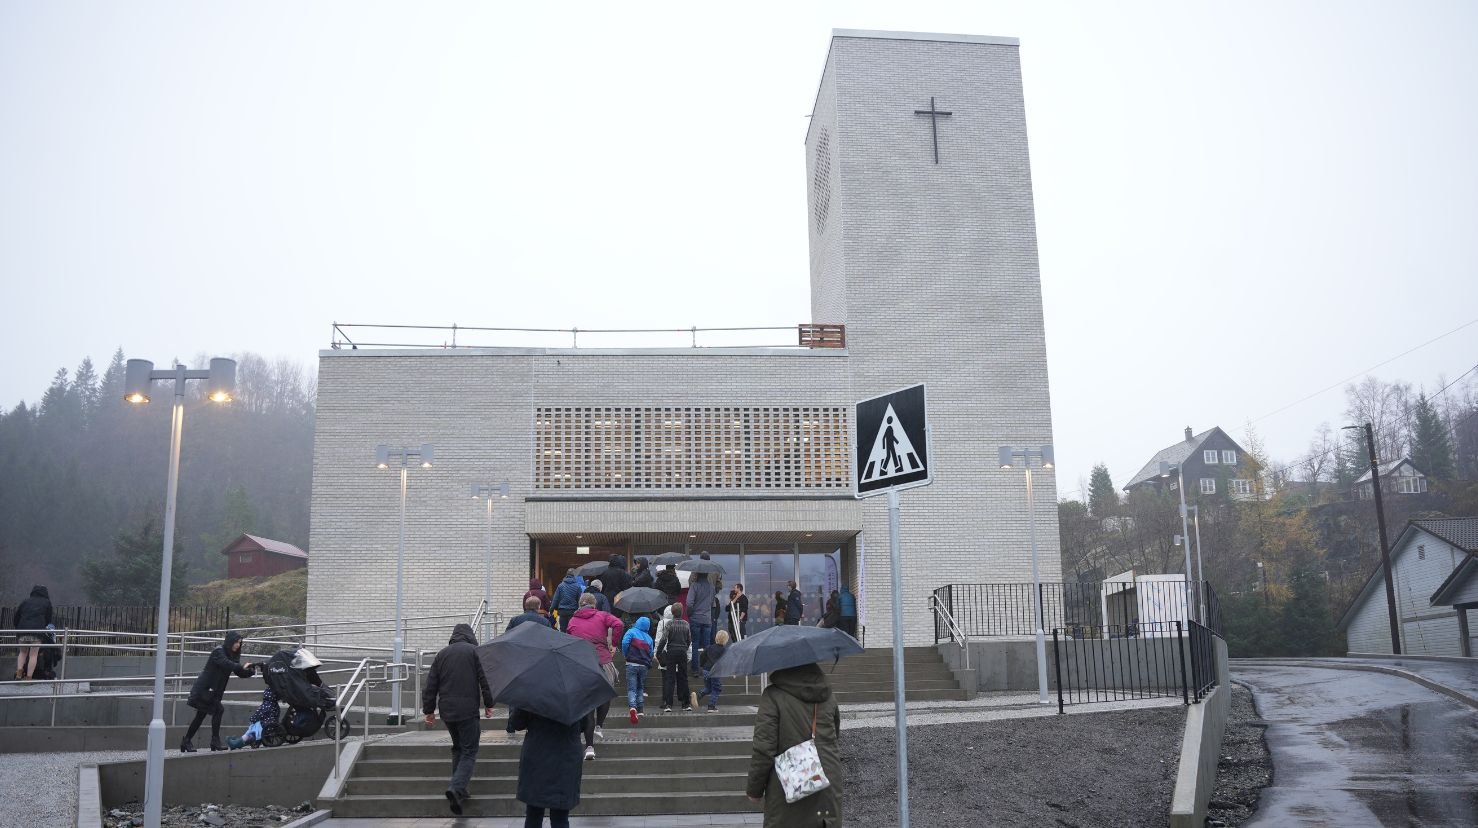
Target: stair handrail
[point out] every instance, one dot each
(955, 631)
(370, 672)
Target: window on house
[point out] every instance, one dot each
(1209, 455)
(1241, 487)
(1229, 458)
(245, 557)
(1208, 485)
(1411, 485)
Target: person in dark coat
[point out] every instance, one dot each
(530, 613)
(615, 580)
(738, 613)
(596, 588)
(34, 613)
(454, 683)
(210, 688)
(567, 599)
(668, 583)
(833, 615)
(536, 589)
(642, 577)
(849, 612)
(549, 768)
(795, 605)
(797, 697)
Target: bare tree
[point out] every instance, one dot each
(1384, 405)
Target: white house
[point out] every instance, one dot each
(1434, 565)
(1396, 477)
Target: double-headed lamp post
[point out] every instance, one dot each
(220, 385)
(1010, 455)
(1185, 532)
(1200, 565)
(490, 492)
(404, 456)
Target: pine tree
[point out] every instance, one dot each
(110, 389)
(1103, 499)
(130, 578)
(85, 386)
(1431, 450)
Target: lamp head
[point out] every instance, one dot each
(475, 490)
(1167, 468)
(221, 382)
(382, 456)
(427, 452)
(503, 490)
(1047, 458)
(136, 380)
(1007, 456)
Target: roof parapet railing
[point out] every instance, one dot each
(811, 335)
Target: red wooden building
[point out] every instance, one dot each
(252, 557)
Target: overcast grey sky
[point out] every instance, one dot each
(1237, 204)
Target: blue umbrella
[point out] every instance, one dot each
(542, 671)
(784, 646)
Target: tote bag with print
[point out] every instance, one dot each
(799, 768)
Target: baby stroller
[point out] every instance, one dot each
(293, 677)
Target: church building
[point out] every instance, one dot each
(923, 269)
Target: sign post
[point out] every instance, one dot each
(891, 453)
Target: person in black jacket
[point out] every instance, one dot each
(795, 605)
(210, 688)
(34, 613)
(643, 575)
(668, 583)
(549, 768)
(615, 580)
(456, 681)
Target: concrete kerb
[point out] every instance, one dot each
(1200, 749)
(89, 798)
(311, 819)
(1451, 692)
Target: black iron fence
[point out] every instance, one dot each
(123, 620)
(1164, 659)
(1202, 656)
(1003, 610)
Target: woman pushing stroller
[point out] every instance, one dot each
(210, 688)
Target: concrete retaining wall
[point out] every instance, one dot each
(283, 776)
(1011, 664)
(1200, 749)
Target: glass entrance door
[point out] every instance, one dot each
(765, 573)
(820, 575)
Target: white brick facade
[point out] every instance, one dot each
(933, 269)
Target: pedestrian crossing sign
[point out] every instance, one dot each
(891, 443)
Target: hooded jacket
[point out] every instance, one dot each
(642, 577)
(550, 762)
(567, 595)
(456, 681)
(536, 589)
(784, 719)
(849, 604)
(210, 685)
(637, 646)
(667, 581)
(591, 624)
(34, 613)
(795, 607)
(615, 580)
(700, 599)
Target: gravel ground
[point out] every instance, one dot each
(208, 816)
(1246, 767)
(41, 788)
(1101, 770)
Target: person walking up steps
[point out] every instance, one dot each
(549, 768)
(531, 613)
(674, 655)
(455, 683)
(700, 614)
(600, 629)
(797, 706)
(566, 599)
(795, 605)
(636, 648)
(713, 685)
(210, 688)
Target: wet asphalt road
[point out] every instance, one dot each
(1352, 748)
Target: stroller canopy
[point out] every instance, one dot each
(291, 684)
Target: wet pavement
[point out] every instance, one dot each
(1363, 749)
(1460, 677)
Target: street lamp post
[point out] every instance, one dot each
(139, 375)
(486, 491)
(384, 456)
(1385, 549)
(1185, 530)
(1200, 566)
(1008, 457)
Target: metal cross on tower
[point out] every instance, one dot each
(933, 112)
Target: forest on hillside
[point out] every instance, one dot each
(85, 472)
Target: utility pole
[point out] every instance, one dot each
(1385, 549)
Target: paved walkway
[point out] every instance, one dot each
(1460, 677)
(1362, 748)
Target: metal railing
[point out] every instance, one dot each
(804, 336)
(1003, 610)
(956, 634)
(1202, 658)
(1117, 663)
(370, 673)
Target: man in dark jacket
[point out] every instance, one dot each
(615, 580)
(530, 613)
(456, 682)
(795, 605)
(668, 583)
(642, 577)
(34, 613)
(566, 600)
(210, 688)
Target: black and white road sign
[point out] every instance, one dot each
(892, 445)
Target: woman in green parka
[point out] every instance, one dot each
(786, 710)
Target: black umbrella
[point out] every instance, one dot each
(537, 669)
(700, 565)
(669, 559)
(784, 646)
(639, 600)
(594, 569)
